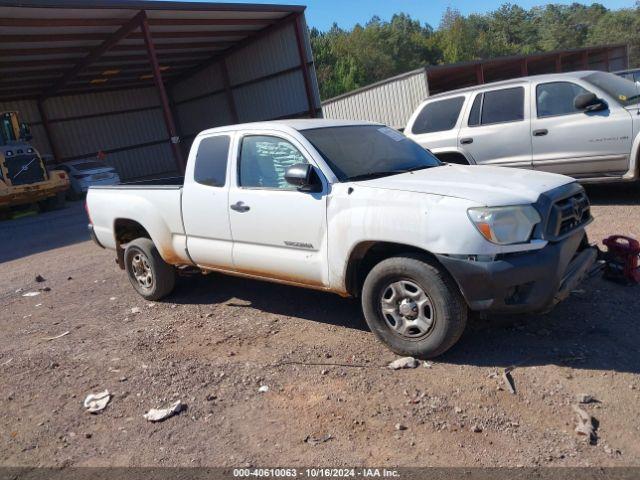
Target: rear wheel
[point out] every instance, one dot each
(149, 274)
(413, 306)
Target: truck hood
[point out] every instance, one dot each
(485, 185)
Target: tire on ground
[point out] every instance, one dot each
(449, 307)
(164, 275)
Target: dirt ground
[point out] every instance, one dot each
(217, 340)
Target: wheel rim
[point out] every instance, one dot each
(407, 309)
(141, 270)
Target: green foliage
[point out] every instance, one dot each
(349, 59)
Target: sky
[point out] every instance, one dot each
(323, 13)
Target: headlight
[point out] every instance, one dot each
(505, 225)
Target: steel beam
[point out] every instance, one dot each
(47, 129)
(164, 99)
(302, 54)
(96, 53)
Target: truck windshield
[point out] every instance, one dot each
(624, 91)
(361, 152)
(7, 133)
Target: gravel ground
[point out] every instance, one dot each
(330, 399)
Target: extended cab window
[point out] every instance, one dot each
(211, 161)
(264, 160)
(556, 98)
(438, 116)
(497, 106)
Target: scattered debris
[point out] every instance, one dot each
(263, 389)
(19, 290)
(476, 429)
(159, 414)
(585, 398)
(311, 440)
(585, 425)
(40, 279)
(112, 298)
(135, 310)
(426, 364)
(457, 410)
(30, 294)
(69, 278)
(7, 362)
(38, 304)
(400, 427)
(57, 336)
(508, 380)
(45, 289)
(404, 362)
(96, 402)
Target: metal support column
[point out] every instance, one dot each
(479, 74)
(164, 99)
(47, 129)
(302, 53)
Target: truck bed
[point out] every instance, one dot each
(153, 204)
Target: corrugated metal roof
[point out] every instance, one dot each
(41, 41)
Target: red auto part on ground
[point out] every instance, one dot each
(622, 259)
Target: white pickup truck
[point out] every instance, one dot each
(359, 210)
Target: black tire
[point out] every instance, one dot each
(142, 251)
(446, 307)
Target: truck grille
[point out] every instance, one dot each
(568, 214)
(24, 169)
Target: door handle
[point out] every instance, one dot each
(466, 141)
(240, 207)
(540, 133)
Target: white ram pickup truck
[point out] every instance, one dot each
(359, 210)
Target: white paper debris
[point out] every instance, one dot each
(159, 414)
(404, 362)
(263, 389)
(30, 294)
(57, 336)
(96, 402)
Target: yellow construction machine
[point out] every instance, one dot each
(24, 178)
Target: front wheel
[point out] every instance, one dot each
(413, 306)
(149, 274)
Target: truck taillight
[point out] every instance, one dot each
(62, 175)
(86, 209)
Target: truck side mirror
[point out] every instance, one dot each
(589, 102)
(303, 176)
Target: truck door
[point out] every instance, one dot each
(574, 142)
(278, 231)
(205, 211)
(497, 131)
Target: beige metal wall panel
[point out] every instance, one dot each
(149, 161)
(390, 102)
(273, 53)
(204, 113)
(206, 81)
(282, 96)
(98, 103)
(86, 135)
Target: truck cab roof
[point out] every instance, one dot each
(286, 124)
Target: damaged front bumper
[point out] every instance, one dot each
(531, 281)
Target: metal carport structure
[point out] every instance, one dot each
(137, 80)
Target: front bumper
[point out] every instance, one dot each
(524, 282)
